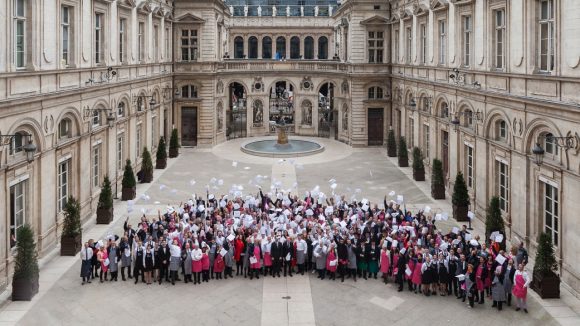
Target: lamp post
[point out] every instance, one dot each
(477, 115)
(565, 142)
(29, 148)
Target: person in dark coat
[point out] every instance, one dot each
(276, 252)
(342, 259)
(138, 259)
(361, 259)
(288, 254)
(163, 256)
(401, 266)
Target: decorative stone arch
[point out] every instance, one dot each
(421, 96)
(409, 94)
(126, 99)
(494, 116)
(75, 118)
(536, 128)
(464, 106)
(231, 81)
(273, 83)
(33, 128)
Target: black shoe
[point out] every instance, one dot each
(518, 309)
(526, 311)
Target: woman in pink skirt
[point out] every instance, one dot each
(520, 290)
(103, 258)
(395, 262)
(205, 264)
(480, 276)
(331, 262)
(218, 264)
(266, 249)
(255, 260)
(416, 276)
(411, 264)
(196, 256)
(384, 263)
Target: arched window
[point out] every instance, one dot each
(96, 118)
(375, 93)
(468, 118)
(501, 130)
(550, 146)
(444, 111)
(238, 48)
(253, 47)
(121, 110)
(426, 107)
(280, 47)
(65, 128)
(267, 48)
(189, 91)
(309, 48)
(323, 48)
(295, 47)
(17, 142)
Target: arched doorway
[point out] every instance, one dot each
(237, 115)
(282, 104)
(326, 115)
(280, 48)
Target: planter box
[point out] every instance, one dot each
(403, 163)
(104, 215)
(24, 290)
(70, 246)
(147, 177)
(438, 191)
(547, 286)
(129, 193)
(173, 152)
(391, 152)
(161, 164)
(419, 175)
(460, 213)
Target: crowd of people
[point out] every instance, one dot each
(277, 234)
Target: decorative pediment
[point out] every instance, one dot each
(439, 4)
(145, 7)
(375, 20)
(462, 2)
(189, 19)
(422, 10)
(127, 3)
(167, 13)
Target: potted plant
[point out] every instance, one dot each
(25, 279)
(129, 183)
(460, 198)
(70, 240)
(403, 154)
(494, 221)
(545, 280)
(161, 155)
(173, 144)
(146, 167)
(391, 144)
(418, 166)
(437, 180)
(105, 205)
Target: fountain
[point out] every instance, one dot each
(281, 146)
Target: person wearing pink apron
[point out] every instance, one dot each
(103, 257)
(480, 276)
(520, 289)
(416, 276)
(218, 264)
(196, 256)
(266, 251)
(385, 263)
(255, 266)
(331, 262)
(205, 264)
(395, 261)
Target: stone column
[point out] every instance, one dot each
(245, 46)
(259, 46)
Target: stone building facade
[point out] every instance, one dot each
(474, 83)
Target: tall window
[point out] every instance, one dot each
(396, 47)
(499, 38)
(188, 45)
(323, 48)
(17, 210)
(550, 144)
(65, 31)
(295, 47)
(122, 39)
(442, 41)
(96, 119)
(63, 186)
(469, 165)
(375, 93)
(19, 33)
(503, 185)
(156, 43)
(501, 130)
(96, 171)
(120, 145)
(16, 143)
(267, 48)
(167, 40)
(154, 132)
(411, 132)
(141, 42)
(64, 128)
(189, 91)
(375, 46)
(423, 29)
(547, 33)
(309, 48)
(551, 212)
(467, 28)
(426, 141)
(99, 51)
(253, 47)
(138, 141)
(409, 43)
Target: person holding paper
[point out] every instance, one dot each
(174, 260)
(148, 263)
(521, 282)
(331, 261)
(373, 255)
(288, 254)
(301, 254)
(416, 276)
(442, 273)
(401, 266)
(218, 263)
(498, 294)
(239, 252)
(187, 263)
(427, 275)
(508, 275)
(255, 257)
(361, 259)
(114, 257)
(86, 263)
(351, 252)
(266, 251)
(320, 256)
(138, 259)
(342, 258)
(103, 258)
(480, 276)
(384, 261)
(196, 255)
(470, 290)
(204, 263)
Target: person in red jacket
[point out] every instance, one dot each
(204, 264)
(238, 254)
(218, 264)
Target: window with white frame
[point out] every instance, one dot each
(17, 210)
(17, 143)
(96, 168)
(501, 130)
(499, 38)
(444, 112)
(189, 91)
(442, 42)
(20, 27)
(396, 47)
(64, 129)
(138, 141)
(96, 119)
(63, 183)
(375, 93)
(375, 45)
(467, 29)
(547, 35)
(426, 141)
(122, 40)
(65, 26)
(189, 45)
(550, 146)
(409, 44)
(551, 212)
(99, 37)
(120, 148)
(141, 41)
(469, 165)
(121, 110)
(468, 118)
(423, 29)
(503, 184)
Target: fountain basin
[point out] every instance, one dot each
(271, 148)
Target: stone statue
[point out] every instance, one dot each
(245, 11)
(273, 11)
(330, 10)
(258, 112)
(287, 11)
(220, 119)
(232, 10)
(307, 113)
(301, 11)
(259, 11)
(345, 120)
(316, 11)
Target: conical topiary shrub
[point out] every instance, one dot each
(391, 144)
(146, 167)
(494, 221)
(174, 144)
(105, 205)
(437, 180)
(460, 198)
(70, 240)
(545, 280)
(129, 183)
(161, 154)
(418, 166)
(25, 279)
(402, 153)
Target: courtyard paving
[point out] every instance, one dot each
(301, 300)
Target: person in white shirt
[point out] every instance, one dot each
(86, 263)
(520, 288)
